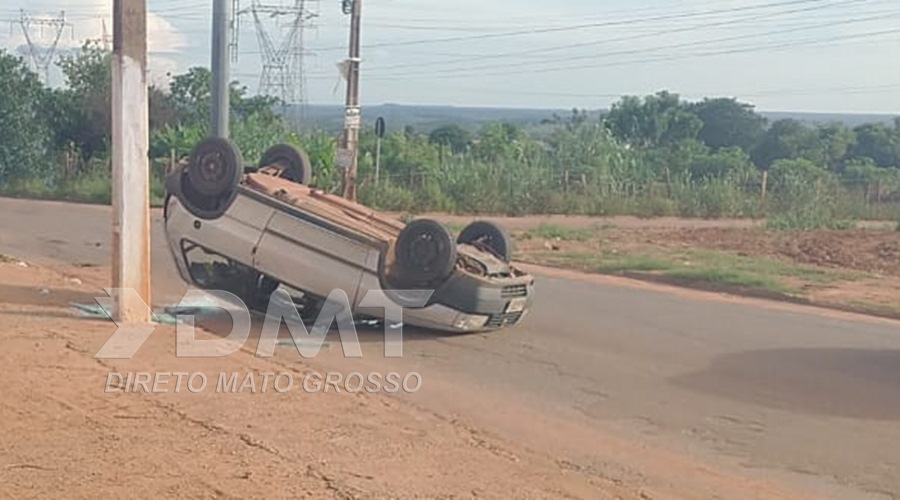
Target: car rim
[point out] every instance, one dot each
(423, 251)
(212, 168)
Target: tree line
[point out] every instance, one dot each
(651, 155)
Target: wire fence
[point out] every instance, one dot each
(755, 195)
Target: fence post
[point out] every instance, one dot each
(765, 185)
(668, 183)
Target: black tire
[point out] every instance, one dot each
(215, 167)
(490, 235)
(207, 195)
(425, 254)
(292, 163)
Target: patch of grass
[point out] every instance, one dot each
(6, 259)
(27, 188)
(729, 277)
(703, 266)
(87, 188)
(644, 263)
(808, 221)
(90, 189)
(455, 227)
(554, 231)
(767, 266)
(898, 226)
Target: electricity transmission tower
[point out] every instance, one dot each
(282, 74)
(42, 55)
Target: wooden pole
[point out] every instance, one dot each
(131, 166)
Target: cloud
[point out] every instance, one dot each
(90, 20)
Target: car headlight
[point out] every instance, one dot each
(470, 322)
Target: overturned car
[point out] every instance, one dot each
(249, 230)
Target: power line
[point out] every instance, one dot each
(577, 27)
(475, 71)
(682, 29)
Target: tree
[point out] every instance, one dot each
(659, 120)
(787, 139)
(88, 82)
(729, 123)
(879, 142)
(191, 95)
(452, 136)
(24, 138)
(835, 140)
(162, 109)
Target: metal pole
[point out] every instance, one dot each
(352, 113)
(220, 91)
(378, 161)
(130, 163)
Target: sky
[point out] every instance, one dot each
(780, 55)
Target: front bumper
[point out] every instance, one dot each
(486, 303)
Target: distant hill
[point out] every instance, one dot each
(427, 118)
(851, 120)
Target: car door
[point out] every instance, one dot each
(312, 255)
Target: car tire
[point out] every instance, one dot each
(289, 162)
(425, 254)
(215, 166)
(490, 235)
(208, 185)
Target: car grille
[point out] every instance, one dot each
(513, 291)
(501, 320)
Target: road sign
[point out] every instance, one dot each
(379, 127)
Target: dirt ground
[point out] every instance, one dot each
(863, 265)
(856, 270)
(65, 436)
(870, 251)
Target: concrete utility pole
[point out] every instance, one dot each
(352, 113)
(220, 91)
(130, 163)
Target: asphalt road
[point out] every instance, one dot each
(620, 379)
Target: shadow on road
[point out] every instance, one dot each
(849, 383)
(221, 325)
(44, 296)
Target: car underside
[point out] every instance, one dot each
(249, 230)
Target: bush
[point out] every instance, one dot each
(388, 197)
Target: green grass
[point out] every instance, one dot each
(729, 277)
(703, 267)
(95, 189)
(455, 227)
(612, 263)
(554, 231)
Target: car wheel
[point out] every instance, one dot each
(288, 162)
(215, 166)
(488, 234)
(209, 184)
(425, 254)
